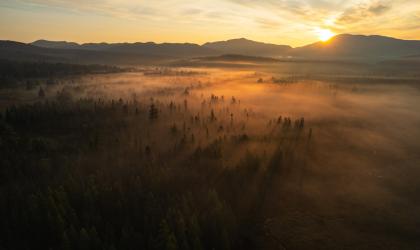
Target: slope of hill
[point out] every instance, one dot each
(10, 50)
(20, 51)
(341, 47)
(164, 49)
(149, 48)
(358, 46)
(55, 44)
(235, 46)
(247, 47)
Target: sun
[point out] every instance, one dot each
(324, 34)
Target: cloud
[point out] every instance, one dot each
(122, 9)
(267, 23)
(378, 9)
(292, 6)
(364, 11)
(192, 11)
(258, 19)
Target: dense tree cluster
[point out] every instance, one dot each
(14, 72)
(119, 174)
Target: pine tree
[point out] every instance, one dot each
(167, 237)
(84, 239)
(41, 93)
(185, 104)
(153, 112)
(212, 116)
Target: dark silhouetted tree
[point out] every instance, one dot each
(153, 112)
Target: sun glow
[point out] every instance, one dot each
(324, 34)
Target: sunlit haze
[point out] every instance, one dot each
(209, 124)
(296, 22)
(325, 34)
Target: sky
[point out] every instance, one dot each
(291, 22)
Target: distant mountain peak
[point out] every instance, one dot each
(360, 46)
(342, 46)
(55, 44)
(239, 40)
(248, 47)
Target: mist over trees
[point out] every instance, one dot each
(232, 152)
(123, 174)
(14, 72)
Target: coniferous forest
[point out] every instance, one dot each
(188, 158)
(209, 125)
(124, 174)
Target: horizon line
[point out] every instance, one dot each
(201, 44)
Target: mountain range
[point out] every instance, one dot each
(358, 46)
(352, 47)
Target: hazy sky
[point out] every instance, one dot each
(293, 22)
